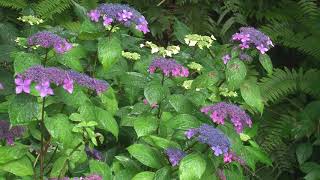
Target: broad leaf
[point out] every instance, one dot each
(101, 168)
(183, 121)
(303, 152)
(109, 51)
(180, 30)
(192, 167)
(19, 167)
(164, 143)
(72, 58)
(163, 174)
(145, 125)
(9, 153)
(251, 94)
(235, 73)
(58, 166)
(266, 63)
(155, 93)
(109, 101)
(146, 175)
(23, 61)
(145, 154)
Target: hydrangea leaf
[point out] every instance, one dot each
(145, 125)
(180, 103)
(183, 121)
(100, 168)
(72, 58)
(109, 51)
(303, 152)
(109, 101)
(146, 175)
(164, 143)
(266, 63)
(146, 155)
(163, 174)
(180, 30)
(19, 167)
(155, 93)
(251, 94)
(23, 109)
(235, 73)
(23, 61)
(58, 166)
(192, 167)
(10, 153)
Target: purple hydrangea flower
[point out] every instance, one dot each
(211, 136)
(90, 177)
(119, 13)
(231, 156)
(220, 111)
(226, 58)
(245, 57)
(1, 86)
(168, 67)
(48, 39)
(10, 133)
(44, 76)
(93, 153)
(175, 155)
(251, 36)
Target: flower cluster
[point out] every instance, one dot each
(231, 156)
(169, 51)
(226, 58)
(168, 66)
(215, 138)
(200, 41)
(95, 154)
(90, 177)
(220, 111)
(175, 155)
(30, 19)
(44, 76)
(10, 133)
(131, 55)
(195, 66)
(242, 56)
(48, 39)
(251, 36)
(119, 13)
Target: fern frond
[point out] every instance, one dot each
(14, 4)
(47, 8)
(72, 26)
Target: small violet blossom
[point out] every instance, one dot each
(22, 85)
(175, 155)
(168, 67)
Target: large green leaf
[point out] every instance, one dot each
(101, 168)
(60, 129)
(183, 122)
(164, 143)
(266, 63)
(146, 155)
(58, 166)
(146, 175)
(23, 109)
(109, 51)
(180, 30)
(72, 58)
(163, 174)
(192, 167)
(19, 167)
(303, 152)
(76, 99)
(9, 153)
(235, 73)
(180, 103)
(251, 94)
(155, 93)
(23, 61)
(145, 125)
(109, 101)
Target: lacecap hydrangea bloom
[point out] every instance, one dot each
(211, 136)
(175, 155)
(66, 78)
(200, 41)
(48, 39)
(249, 36)
(219, 112)
(119, 13)
(9, 133)
(169, 67)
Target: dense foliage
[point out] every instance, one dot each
(182, 89)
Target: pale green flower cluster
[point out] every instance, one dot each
(227, 93)
(200, 41)
(187, 84)
(22, 42)
(31, 20)
(131, 55)
(195, 66)
(165, 52)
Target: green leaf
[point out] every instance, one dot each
(109, 51)
(251, 94)
(145, 125)
(76, 99)
(180, 30)
(9, 153)
(60, 129)
(23, 61)
(23, 109)
(309, 166)
(101, 168)
(126, 174)
(58, 166)
(155, 93)
(146, 175)
(266, 63)
(72, 58)
(88, 30)
(163, 174)
(313, 175)
(235, 73)
(164, 143)
(146, 155)
(183, 122)
(259, 155)
(180, 103)
(20, 167)
(109, 101)
(192, 167)
(303, 152)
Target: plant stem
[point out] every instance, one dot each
(42, 140)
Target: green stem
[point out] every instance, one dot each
(42, 140)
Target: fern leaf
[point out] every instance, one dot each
(14, 4)
(47, 8)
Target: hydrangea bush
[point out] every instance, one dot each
(98, 104)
